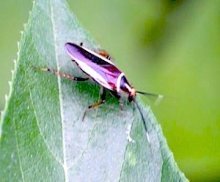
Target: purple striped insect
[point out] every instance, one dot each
(100, 68)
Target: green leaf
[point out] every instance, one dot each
(42, 136)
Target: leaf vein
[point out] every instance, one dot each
(18, 151)
(41, 133)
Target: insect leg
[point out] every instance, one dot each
(63, 75)
(119, 98)
(97, 104)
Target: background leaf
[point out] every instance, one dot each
(42, 136)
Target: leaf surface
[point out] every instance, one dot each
(42, 136)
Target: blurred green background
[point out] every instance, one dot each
(164, 46)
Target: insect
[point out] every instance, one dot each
(98, 66)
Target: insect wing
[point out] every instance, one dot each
(100, 69)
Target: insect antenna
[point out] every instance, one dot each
(143, 120)
(158, 97)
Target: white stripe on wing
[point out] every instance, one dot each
(118, 86)
(94, 74)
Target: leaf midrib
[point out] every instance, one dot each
(65, 167)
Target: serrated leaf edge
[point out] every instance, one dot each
(13, 72)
